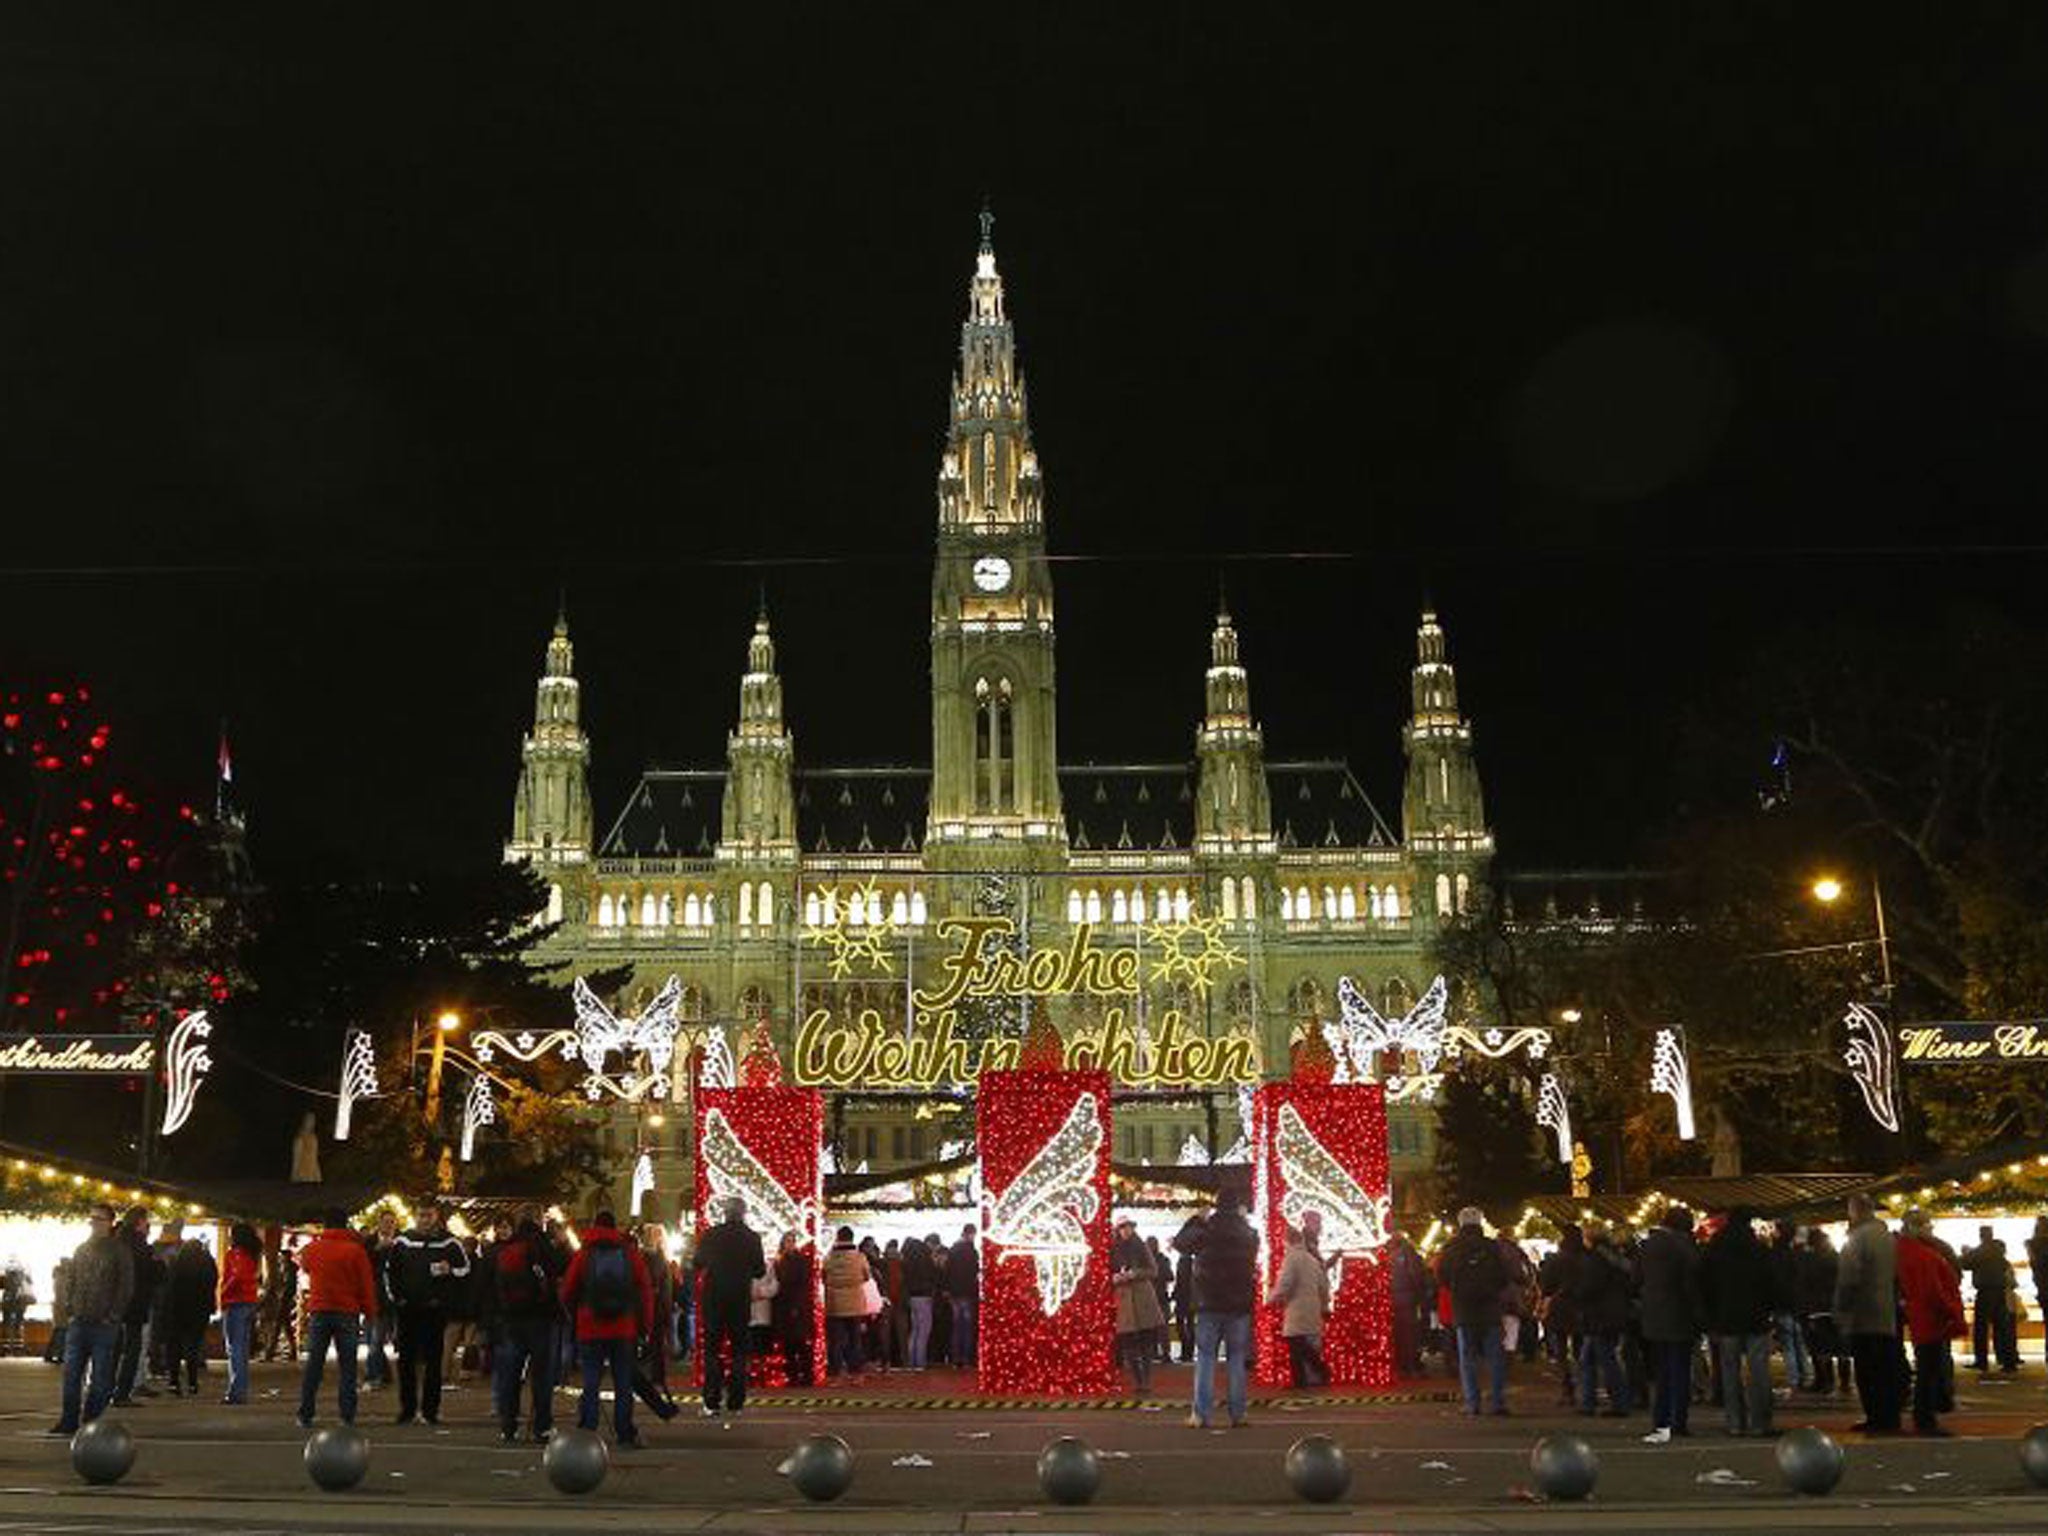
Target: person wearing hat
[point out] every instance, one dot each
(1138, 1316)
(1226, 1254)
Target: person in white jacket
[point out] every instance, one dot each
(1303, 1288)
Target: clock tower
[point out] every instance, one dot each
(995, 799)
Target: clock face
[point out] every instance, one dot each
(991, 573)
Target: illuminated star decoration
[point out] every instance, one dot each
(1872, 1064)
(643, 1179)
(650, 1033)
(187, 1060)
(732, 1169)
(1353, 1221)
(1671, 1073)
(358, 1078)
(1193, 948)
(1553, 1110)
(1043, 1215)
(864, 943)
(1365, 1032)
(477, 1109)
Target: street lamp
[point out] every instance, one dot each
(444, 1026)
(1828, 889)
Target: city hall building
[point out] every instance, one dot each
(817, 897)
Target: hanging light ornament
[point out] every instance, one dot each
(478, 1108)
(1873, 1065)
(1553, 1110)
(358, 1078)
(643, 1179)
(1671, 1074)
(187, 1060)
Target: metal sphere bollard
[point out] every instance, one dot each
(1564, 1467)
(576, 1460)
(103, 1451)
(337, 1458)
(821, 1467)
(1069, 1470)
(2034, 1455)
(1317, 1470)
(1810, 1460)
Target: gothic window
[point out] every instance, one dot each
(1305, 999)
(753, 1005)
(1443, 895)
(917, 909)
(604, 911)
(1392, 909)
(664, 912)
(1464, 893)
(1229, 900)
(988, 469)
(1286, 905)
(764, 906)
(856, 910)
(693, 911)
(554, 903)
(1181, 907)
(831, 908)
(710, 910)
(1329, 902)
(1244, 1002)
(1372, 897)
(1119, 907)
(691, 1007)
(1443, 774)
(1246, 902)
(816, 1000)
(746, 905)
(1162, 907)
(1304, 909)
(1347, 903)
(1094, 906)
(1396, 997)
(814, 914)
(1073, 906)
(1178, 997)
(994, 745)
(899, 909)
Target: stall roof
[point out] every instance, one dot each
(1767, 1194)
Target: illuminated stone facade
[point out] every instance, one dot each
(716, 874)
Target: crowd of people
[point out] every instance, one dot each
(1686, 1312)
(1690, 1312)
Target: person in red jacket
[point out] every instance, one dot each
(607, 1287)
(240, 1269)
(341, 1289)
(1934, 1316)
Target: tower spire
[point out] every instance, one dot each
(988, 470)
(1443, 816)
(551, 810)
(1234, 813)
(988, 227)
(758, 818)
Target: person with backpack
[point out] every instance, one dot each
(731, 1260)
(1476, 1276)
(524, 1272)
(426, 1279)
(1226, 1254)
(608, 1290)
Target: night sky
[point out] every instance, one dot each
(335, 340)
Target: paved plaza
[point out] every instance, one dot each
(1419, 1465)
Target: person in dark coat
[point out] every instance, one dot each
(1787, 1253)
(1561, 1326)
(1162, 1286)
(1598, 1284)
(1184, 1305)
(920, 1285)
(148, 1275)
(1739, 1287)
(963, 1287)
(425, 1281)
(1993, 1331)
(730, 1259)
(1472, 1269)
(793, 1310)
(1668, 1267)
(1815, 1278)
(1226, 1254)
(194, 1279)
(525, 1274)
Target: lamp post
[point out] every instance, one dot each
(444, 1026)
(1828, 889)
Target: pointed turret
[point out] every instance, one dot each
(759, 817)
(988, 472)
(551, 811)
(1443, 816)
(1233, 812)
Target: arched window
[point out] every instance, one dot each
(1244, 1001)
(1372, 899)
(831, 908)
(604, 911)
(1247, 902)
(693, 911)
(1329, 902)
(753, 1005)
(1093, 907)
(665, 913)
(1304, 909)
(917, 909)
(1286, 905)
(856, 910)
(899, 909)
(1229, 900)
(764, 904)
(1119, 907)
(1073, 906)
(1162, 907)
(1181, 909)
(1391, 909)
(814, 915)
(746, 905)
(1347, 903)
(554, 903)
(1396, 997)
(1464, 893)
(1443, 895)
(1305, 999)
(994, 746)
(1178, 997)
(710, 910)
